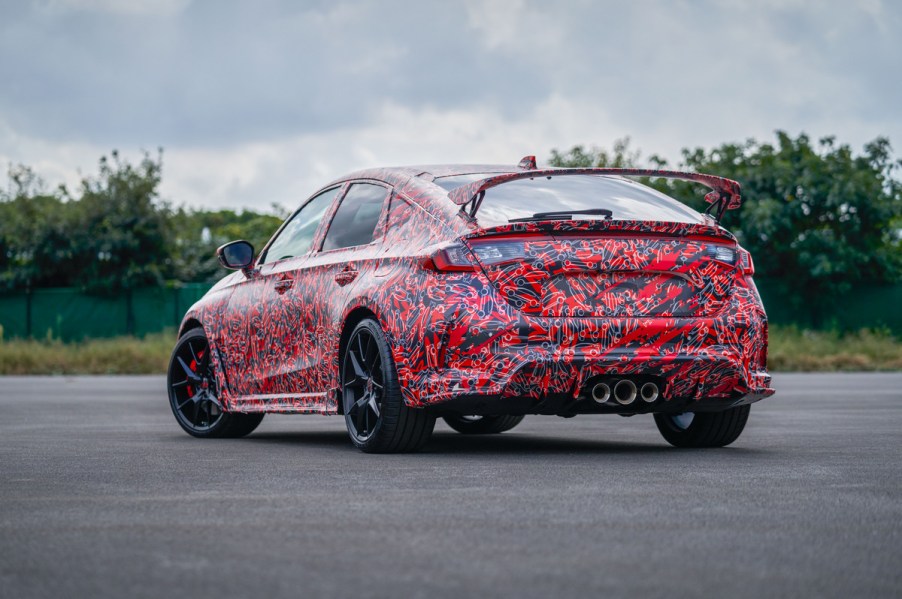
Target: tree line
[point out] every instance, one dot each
(113, 232)
(818, 217)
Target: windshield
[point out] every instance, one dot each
(627, 200)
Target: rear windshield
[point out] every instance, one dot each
(627, 200)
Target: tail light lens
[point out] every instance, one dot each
(733, 254)
(488, 252)
(722, 253)
(452, 258)
(459, 257)
(745, 262)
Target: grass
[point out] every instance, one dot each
(794, 350)
(118, 355)
(791, 349)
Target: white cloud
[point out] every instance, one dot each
(288, 170)
(260, 103)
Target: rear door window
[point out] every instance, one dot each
(357, 217)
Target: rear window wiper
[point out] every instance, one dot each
(563, 215)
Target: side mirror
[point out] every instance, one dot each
(237, 255)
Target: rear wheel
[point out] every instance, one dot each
(703, 429)
(194, 396)
(482, 425)
(378, 420)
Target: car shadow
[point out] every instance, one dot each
(526, 443)
(449, 443)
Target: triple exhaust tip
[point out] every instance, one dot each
(601, 393)
(625, 392)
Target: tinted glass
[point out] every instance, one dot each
(626, 199)
(358, 214)
(297, 236)
(238, 254)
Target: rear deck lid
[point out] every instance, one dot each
(607, 268)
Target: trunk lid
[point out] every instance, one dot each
(604, 268)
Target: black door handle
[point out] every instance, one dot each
(283, 285)
(345, 276)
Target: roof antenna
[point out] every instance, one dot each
(527, 163)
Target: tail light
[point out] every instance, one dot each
(459, 257)
(452, 258)
(732, 254)
(745, 263)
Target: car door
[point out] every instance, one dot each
(265, 340)
(341, 267)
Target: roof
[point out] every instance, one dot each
(427, 172)
(725, 192)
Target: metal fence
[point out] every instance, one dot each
(70, 314)
(869, 307)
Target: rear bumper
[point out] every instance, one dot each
(686, 378)
(711, 363)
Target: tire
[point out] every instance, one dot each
(193, 394)
(377, 418)
(482, 425)
(703, 429)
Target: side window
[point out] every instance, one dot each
(297, 236)
(358, 214)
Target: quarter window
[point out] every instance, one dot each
(297, 236)
(358, 214)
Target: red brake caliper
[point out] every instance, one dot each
(193, 367)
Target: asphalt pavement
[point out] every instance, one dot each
(102, 495)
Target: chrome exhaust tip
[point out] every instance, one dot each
(625, 392)
(601, 393)
(649, 392)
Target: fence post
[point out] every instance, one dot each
(129, 313)
(28, 312)
(175, 302)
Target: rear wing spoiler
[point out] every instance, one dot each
(724, 194)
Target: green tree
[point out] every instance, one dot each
(579, 157)
(121, 233)
(114, 232)
(199, 232)
(34, 225)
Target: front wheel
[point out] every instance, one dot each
(193, 395)
(703, 429)
(378, 420)
(482, 425)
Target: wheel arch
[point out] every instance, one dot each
(353, 318)
(188, 324)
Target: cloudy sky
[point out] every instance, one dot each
(263, 101)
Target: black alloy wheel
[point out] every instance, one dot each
(703, 429)
(377, 418)
(194, 396)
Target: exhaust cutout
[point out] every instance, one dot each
(649, 392)
(625, 392)
(601, 393)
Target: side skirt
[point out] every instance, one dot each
(294, 403)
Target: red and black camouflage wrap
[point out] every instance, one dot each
(591, 298)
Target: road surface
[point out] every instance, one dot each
(102, 495)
